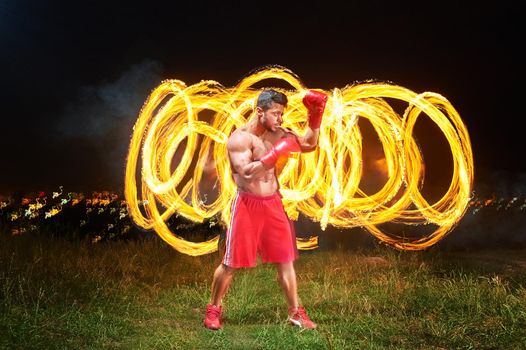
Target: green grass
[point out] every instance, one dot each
(56, 294)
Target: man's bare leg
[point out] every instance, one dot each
(222, 279)
(287, 280)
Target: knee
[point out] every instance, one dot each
(281, 277)
(286, 269)
(225, 270)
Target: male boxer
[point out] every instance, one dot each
(258, 221)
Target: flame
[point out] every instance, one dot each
(319, 184)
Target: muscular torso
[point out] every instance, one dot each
(264, 183)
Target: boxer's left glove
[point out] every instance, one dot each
(315, 102)
(283, 147)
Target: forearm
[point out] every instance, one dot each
(309, 142)
(253, 169)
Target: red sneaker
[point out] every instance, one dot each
(300, 318)
(213, 317)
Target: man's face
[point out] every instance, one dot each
(272, 117)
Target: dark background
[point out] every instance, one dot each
(75, 74)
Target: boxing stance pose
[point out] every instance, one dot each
(258, 221)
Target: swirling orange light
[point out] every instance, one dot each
(323, 185)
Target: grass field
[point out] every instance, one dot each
(56, 294)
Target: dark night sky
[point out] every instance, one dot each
(75, 74)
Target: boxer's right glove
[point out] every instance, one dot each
(315, 102)
(283, 147)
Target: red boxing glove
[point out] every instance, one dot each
(315, 102)
(283, 147)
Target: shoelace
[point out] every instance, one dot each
(212, 312)
(302, 314)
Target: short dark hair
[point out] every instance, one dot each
(266, 97)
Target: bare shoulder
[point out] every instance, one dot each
(240, 140)
(286, 132)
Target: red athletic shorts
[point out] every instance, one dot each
(259, 224)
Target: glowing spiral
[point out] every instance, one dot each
(323, 185)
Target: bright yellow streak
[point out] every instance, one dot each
(323, 185)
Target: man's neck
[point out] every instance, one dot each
(256, 128)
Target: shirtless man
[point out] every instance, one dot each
(258, 221)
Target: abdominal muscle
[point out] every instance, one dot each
(263, 185)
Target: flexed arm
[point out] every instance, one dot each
(239, 148)
(315, 102)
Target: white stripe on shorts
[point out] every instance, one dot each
(233, 209)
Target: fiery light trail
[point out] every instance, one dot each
(323, 185)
